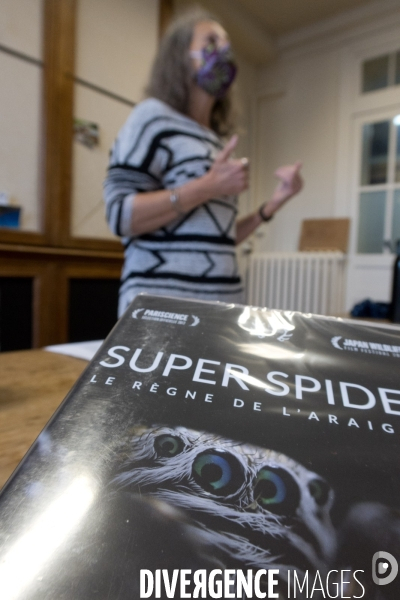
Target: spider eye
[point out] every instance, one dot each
(168, 445)
(276, 491)
(217, 472)
(270, 487)
(319, 490)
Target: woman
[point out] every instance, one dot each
(172, 186)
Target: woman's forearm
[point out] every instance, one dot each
(290, 184)
(246, 226)
(152, 210)
(227, 176)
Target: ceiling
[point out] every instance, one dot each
(255, 25)
(282, 16)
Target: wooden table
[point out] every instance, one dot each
(32, 385)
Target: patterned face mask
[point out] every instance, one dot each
(218, 69)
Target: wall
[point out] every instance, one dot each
(305, 108)
(245, 86)
(296, 119)
(116, 43)
(20, 106)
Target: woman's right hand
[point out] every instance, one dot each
(152, 210)
(228, 175)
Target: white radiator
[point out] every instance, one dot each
(311, 282)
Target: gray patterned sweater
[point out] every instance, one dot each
(193, 256)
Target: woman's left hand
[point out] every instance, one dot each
(291, 183)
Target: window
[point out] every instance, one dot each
(379, 186)
(381, 72)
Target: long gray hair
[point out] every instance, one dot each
(172, 73)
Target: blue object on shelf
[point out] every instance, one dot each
(9, 216)
(374, 310)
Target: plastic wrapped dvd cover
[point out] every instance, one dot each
(206, 447)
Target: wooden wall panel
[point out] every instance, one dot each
(59, 45)
(51, 271)
(166, 15)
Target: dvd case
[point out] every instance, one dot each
(215, 451)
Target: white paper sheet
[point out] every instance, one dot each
(85, 350)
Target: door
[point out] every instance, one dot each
(375, 204)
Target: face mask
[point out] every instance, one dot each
(217, 71)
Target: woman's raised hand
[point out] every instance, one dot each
(290, 184)
(228, 175)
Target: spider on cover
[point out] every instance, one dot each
(255, 507)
